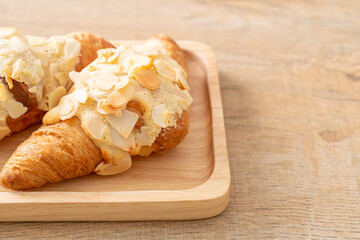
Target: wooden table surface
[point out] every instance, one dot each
(290, 81)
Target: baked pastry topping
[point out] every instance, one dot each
(124, 99)
(129, 101)
(42, 65)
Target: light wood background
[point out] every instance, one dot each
(290, 79)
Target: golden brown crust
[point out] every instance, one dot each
(30, 118)
(21, 94)
(63, 150)
(89, 45)
(51, 154)
(170, 137)
(172, 48)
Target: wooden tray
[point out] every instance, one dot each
(190, 182)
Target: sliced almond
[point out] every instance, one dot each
(113, 57)
(4, 93)
(72, 49)
(107, 55)
(61, 78)
(55, 97)
(123, 82)
(8, 72)
(143, 137)
(80, 95)
(52, 116)
(53, 68)
(120, 97)
(126, 144)
(98, 95)
(124, 124)
(105, 82)
(158, 116)
(181, 79)
(107, 109)
(184, 94)
(17, 67)
(147, 77)
(75, 76)
(91, 68)
(4, 131)
(164, 69)
(33, 89)
(135, 61)
(14, 108)
(95, 126)
(121, 164)
(68, 108)
(104, 109)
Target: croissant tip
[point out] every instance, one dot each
(18, 181)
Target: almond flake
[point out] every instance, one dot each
(75, 76)
(107, 55)
(4, 131)
(8, 72)
(91, 68)
(94, 125)
(120, 97)
(136, 61)
(105, 82)
(124, 81)
(4, 93)
(68, 108)
(98, 95)
(113, 57)
(107, 109)
(72, 49)
(143, 136)
(126, 144)
(102, 111)
(184, 94)
(124, 124)
(33, 89)
(53, 68)
(14, 108)
(80, 95)
(61, 78)
(164, 69)
(157, 115)
(147, 77)
(17, 67)
(56, 96)
(180, 78)
(121, 164)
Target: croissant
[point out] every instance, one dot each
(130, 101)
(36, 77)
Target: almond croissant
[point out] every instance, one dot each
(22, 103)
(129, 101)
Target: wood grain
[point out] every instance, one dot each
(289, 75)
(190, 182)
(188, 166)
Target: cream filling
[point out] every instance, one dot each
(116, 77)
(43, 64)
